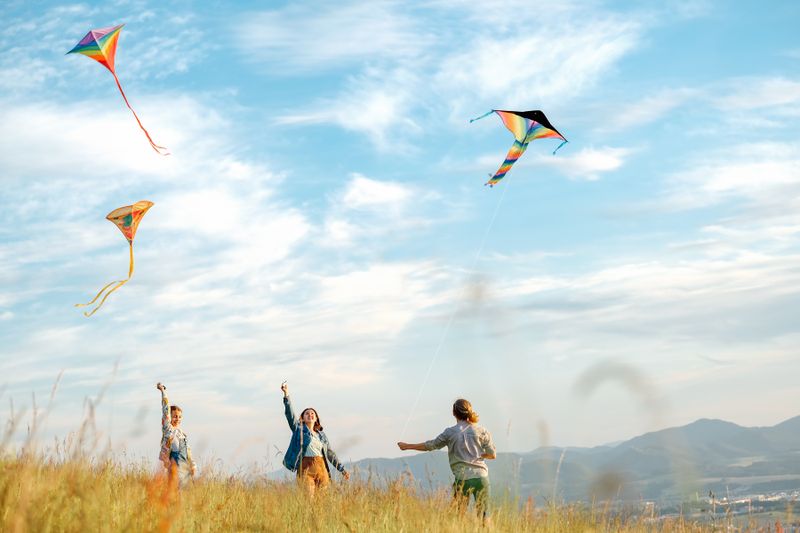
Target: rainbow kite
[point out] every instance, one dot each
(101, 45)
(127, 220)
(526, 126)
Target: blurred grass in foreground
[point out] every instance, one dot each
(43, 495)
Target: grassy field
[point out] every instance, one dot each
(41, 495)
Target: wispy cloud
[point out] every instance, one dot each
(560, 60)
(761, 93)
(490, 64)
(362, 192)
(309, 38)
(368, 209)
(648, 109)
(588, 163)
(376, 103)
(154, 44)
(761, 173)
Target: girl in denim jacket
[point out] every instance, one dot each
(309, 448)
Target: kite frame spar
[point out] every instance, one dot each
(527, 126)
(101, 45)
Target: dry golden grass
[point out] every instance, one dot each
(41, 495)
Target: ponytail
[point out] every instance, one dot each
(462, 410)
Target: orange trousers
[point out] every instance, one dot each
(313, 474)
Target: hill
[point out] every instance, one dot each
(669, 464)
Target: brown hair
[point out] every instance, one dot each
(173, 408)
(317, 423)
(462, 410)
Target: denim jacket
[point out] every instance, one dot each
(301, 438)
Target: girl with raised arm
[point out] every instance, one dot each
(309, 448)
(468, 444)
(175, 454)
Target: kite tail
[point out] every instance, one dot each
(558, 147)
(517, 149)
(117, 285)
(159, 149)
(482, 116)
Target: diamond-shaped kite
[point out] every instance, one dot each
(101, 45)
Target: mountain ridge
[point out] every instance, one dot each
(667, 464)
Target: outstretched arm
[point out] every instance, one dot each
(420, 447)
(439, 442)
(165, 419)
(287, 407)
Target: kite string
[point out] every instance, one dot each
(452, 314)
(155, 146)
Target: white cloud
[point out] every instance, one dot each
(368, 209)
(381, 300)
(763, 173)
(648, 109)
(760, 93)
(376, 103)
(364, 193)
(311, 37)
(556, 60)
(71, 135)
(160, 47)
(587, 163)
(214, 219)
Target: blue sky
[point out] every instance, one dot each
(323, 219)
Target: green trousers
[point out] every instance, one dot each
(478, 488)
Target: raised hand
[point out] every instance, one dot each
(285, 388)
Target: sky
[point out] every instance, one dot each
(323, 220)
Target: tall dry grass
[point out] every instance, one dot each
(77, 495)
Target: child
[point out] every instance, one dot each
(468, 444)
(309, 448)
(175, 455)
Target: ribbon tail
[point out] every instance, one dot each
(93, 311)
(159, 149)
(517, 149)
(558, 147)
(118, 284)
(98, 295)
(482, 116)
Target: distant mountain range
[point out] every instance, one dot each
(665, 465)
